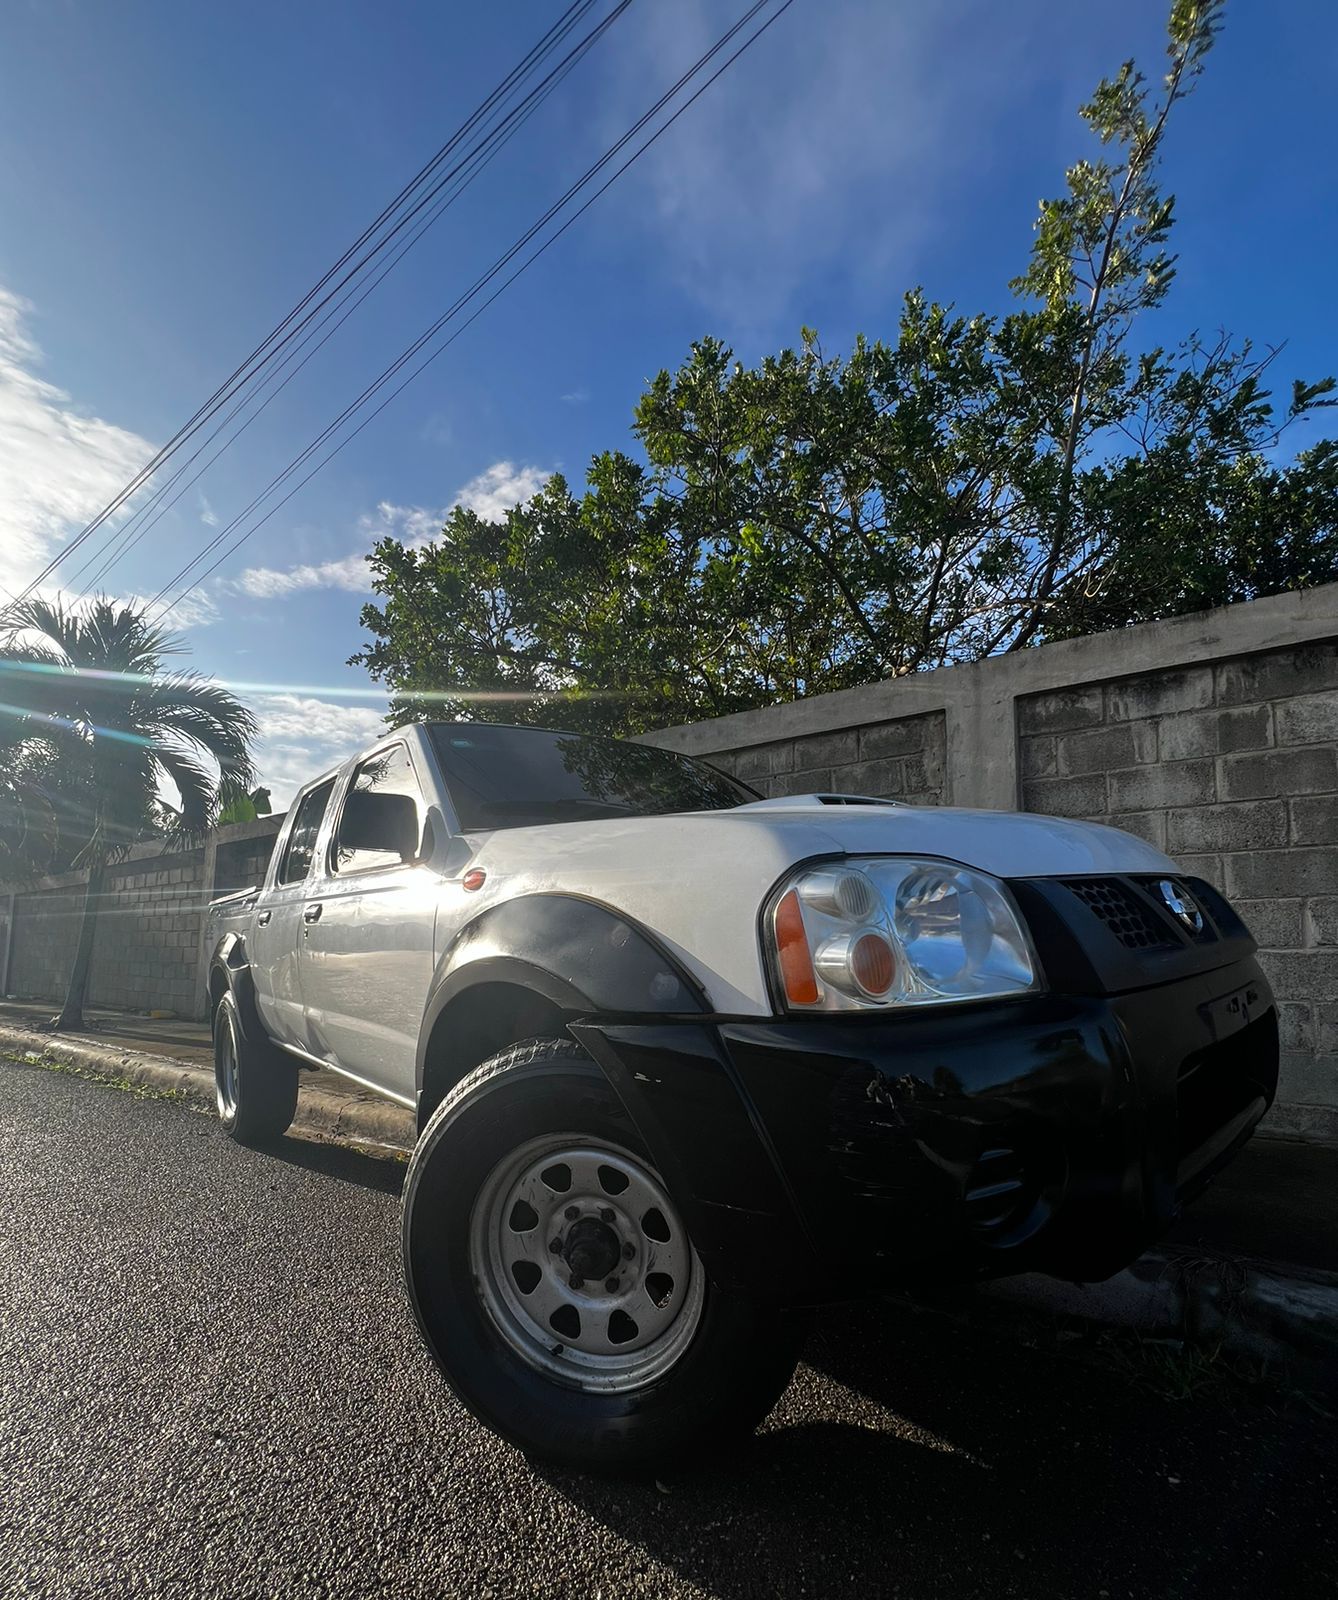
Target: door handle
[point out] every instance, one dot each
(312, 912)
(262, 917)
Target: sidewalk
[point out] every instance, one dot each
(154, 1036)
(1254, 1260)
(178, 1055)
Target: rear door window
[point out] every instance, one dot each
(301, 846)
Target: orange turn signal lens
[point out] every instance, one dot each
(796, 962)
(475, 878)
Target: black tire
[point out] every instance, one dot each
(257, 1088)
(722, 1382)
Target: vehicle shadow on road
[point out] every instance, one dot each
(381, 1173)
(918, 1455)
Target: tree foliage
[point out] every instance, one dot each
(972, 485)
(91, 724)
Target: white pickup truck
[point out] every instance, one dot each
(686, 1062)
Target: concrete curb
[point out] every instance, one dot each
(333, 1118)
(1274, 1312)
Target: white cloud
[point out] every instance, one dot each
(491, 495)
(302, 736)
(270, 583)
(207, 513)
(501, 486)
(58, 467)
(194, 610)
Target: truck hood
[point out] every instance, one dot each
(1009, 844)
(699, 879)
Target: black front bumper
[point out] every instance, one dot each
(825, 1157)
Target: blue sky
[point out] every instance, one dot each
(173, 178)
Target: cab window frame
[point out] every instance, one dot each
(332, 868)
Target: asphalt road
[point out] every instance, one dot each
(210, 1385)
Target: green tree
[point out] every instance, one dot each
(90, 718)
(973, 485)
(28, 827)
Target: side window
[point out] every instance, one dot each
(301, 844)
(381, 824)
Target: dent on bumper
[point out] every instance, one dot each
(822, 1157)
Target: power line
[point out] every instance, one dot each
(156, 507)
(282, 332)
(517, 75)
(458, 305)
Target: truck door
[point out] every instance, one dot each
(369, 916)
(275, 940)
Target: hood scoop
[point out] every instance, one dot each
(789, 802)
(852, 800)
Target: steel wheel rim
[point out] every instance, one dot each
(614, 1331)
(225, 1072)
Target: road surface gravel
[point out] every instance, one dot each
(210, 1385)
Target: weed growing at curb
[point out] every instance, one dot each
(141, 1091)
(1179, 1369)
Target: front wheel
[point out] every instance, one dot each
(255, 1084)
(555, 1282)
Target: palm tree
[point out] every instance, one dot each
(27, 805)
(91, 722)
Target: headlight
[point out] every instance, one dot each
(874, 932)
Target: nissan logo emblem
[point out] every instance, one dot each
(1181, 904)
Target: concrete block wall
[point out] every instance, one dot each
(146, 950)
(1215, 736)
(139, 958)
(148, 933)
(241, 854)
(900, 759)
(1232, 768)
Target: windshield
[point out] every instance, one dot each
(507, 777)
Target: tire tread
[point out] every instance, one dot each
(749, 1351)
(267, 1080)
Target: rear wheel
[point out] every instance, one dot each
(255, 1084)
(555, 1281)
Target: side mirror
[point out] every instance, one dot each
(383, 822)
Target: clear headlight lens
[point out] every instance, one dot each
(874, 932)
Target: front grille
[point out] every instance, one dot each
(1133, 923)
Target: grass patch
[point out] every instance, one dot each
(107, 1080)
(1178, 1369)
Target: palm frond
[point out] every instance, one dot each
(198, 788)
(121, 637)
(29, 825)
(105, 635)
(86, 688)
(187, 706)
(48, 619)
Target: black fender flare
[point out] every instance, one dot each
(649, 1026)
(229, 961)
(579, 953)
